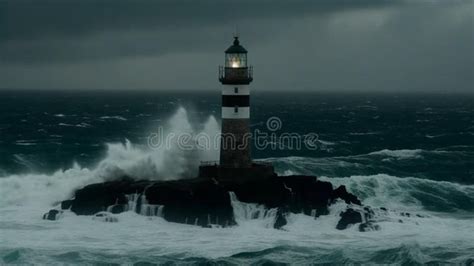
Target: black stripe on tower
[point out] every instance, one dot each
(235, 100)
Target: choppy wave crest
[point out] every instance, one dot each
(409, 192)
(445, 164)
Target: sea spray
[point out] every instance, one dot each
(39, 191)
(208, 140)
(167, 161)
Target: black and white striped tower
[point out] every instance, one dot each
(235, 76)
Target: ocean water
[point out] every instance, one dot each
(406, 152)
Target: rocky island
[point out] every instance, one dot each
(210, 201)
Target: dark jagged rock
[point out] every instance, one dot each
(194, 201)
(117, 208)
(349, 217)
(368, 213)
(280, 219)
(65, 205)
(299, 194)
(368, 226)
(365, 216)
(52, 215)
(342, 193)
(406, 214)
(97, 197)
(206, 201)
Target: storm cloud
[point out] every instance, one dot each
(361, 45)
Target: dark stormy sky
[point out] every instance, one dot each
(313, 45)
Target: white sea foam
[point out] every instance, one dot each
(406, 193)
(435, 136)
(251, 213)
(26, 142)
(399, 154)
(326, 143)
(65, 125)
(363, 133)
(116, 117)
(84, 125)
(39, 191)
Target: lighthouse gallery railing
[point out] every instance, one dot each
(235, 75)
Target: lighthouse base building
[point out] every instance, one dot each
(235, 153)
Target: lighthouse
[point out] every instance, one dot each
(235, 162)
(235, 76)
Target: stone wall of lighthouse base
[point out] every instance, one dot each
(235, 143)
(255, 171)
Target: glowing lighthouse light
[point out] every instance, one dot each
(235, 64)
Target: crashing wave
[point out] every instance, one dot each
(408, 193)
(122, 159)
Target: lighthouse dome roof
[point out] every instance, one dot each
(236, 48)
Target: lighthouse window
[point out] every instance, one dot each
(236, 60)
(236, 90)
(236, 109)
